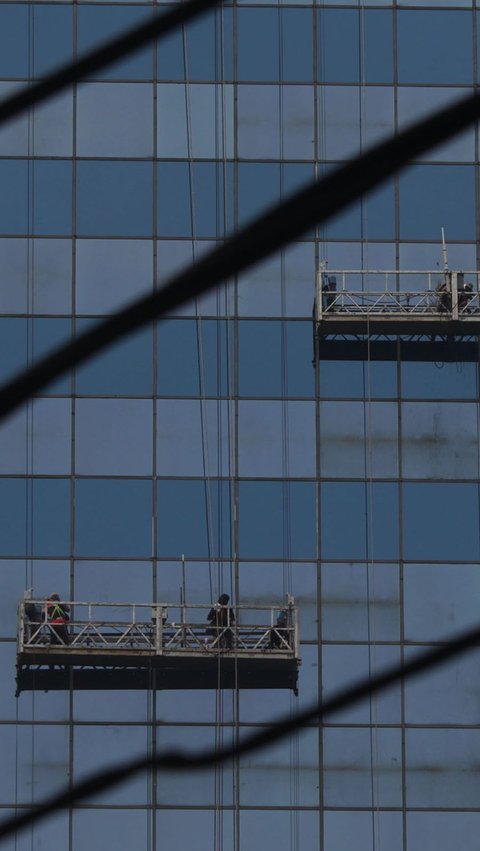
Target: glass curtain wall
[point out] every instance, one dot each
(353, 485)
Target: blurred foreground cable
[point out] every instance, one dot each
(179, 761)
(315, 204)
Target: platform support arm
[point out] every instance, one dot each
(454, 286)
(158, 625)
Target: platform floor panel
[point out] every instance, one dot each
(378, 323)
(222, 671)
(444, 349)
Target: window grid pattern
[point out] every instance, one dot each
(354, 486)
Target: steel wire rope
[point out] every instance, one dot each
(30, 407)
(370, 588)
(321, 131)
(314, 204)
(224, 373)
(198, 316)
(221, 206)
(368, 456)
(285, 443)
(224, 339)
(218, 769)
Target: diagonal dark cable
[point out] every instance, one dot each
(101, 57)
(180, 761)
(316, 203)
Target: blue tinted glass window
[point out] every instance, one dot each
(200, 188)
(113, 518)
(264, 347)
(185, 427)
(349, 591)
(49, 334)
(115, 120)
(170, 57)
(13, 537)
(297, 45)
(437, 381)
(206, 54)
(355, 438)
(45, 529)
(14, 196)
(441, 521)
(344, 826)
(263, 439)
(13, 40)
(261, 184)
(435, 48)
(124, 827)
(194, 518)
(45, 335)
(100, 745)
(125, 368)
(174, 199)
(375, 216)
(352, 378)
(194, 358)
(378, 46)
(436, 196)
(51, 517)
(50, 192)
(50, 443)
(258, 188)
(114, 198)
(441, 768)
(113, 437)
(352, 49)
(52, 197)
(110, 273)
(13, 347)
(258, 44)
(53, 37)
(358, 522)
(440, 599)
(439, 831)
(209, 47)
(264, 514)
(97, 24)
(379, 213)
(296, 175)
(338, 45)
(428, 428)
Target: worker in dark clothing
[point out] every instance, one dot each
(329, 290)
(33, 619)
(444, 302)
(279, 633)
(221, 617)
(58, 614)
(465, 295)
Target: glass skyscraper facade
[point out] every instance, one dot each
(353, 485)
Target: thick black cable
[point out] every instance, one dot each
(101, 57)
(315, 204)
(179, 761)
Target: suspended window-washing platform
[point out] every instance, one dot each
(415, 315)
(133, 646)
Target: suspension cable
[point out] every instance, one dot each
(198, 320)
(368, 458)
